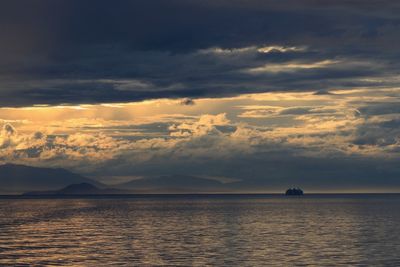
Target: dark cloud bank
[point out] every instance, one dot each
(56, 52)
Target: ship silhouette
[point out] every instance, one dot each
(294, 192)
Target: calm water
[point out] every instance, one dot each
(215, 231)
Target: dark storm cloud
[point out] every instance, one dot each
(56, 52)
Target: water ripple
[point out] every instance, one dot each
(185, 231)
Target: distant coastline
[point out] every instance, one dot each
(197, 195)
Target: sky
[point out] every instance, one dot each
(270, 93)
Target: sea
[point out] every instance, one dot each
(201, 230)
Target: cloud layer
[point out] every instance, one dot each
(345, 140)
(79, 52)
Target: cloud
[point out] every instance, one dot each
(8, 130)
(291, 66)
(206, 125)
(250, 50)
(187, 102)
(49, 58)
(281, 49)
(260, 139)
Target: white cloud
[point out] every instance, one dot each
(252, 49)
(291, 66)
(282, 49)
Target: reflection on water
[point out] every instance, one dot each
(231, 231)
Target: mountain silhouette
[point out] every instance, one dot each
(79, 189)
(83, 188)
(173, 183)
(21, 178)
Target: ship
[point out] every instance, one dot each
(294, 192)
